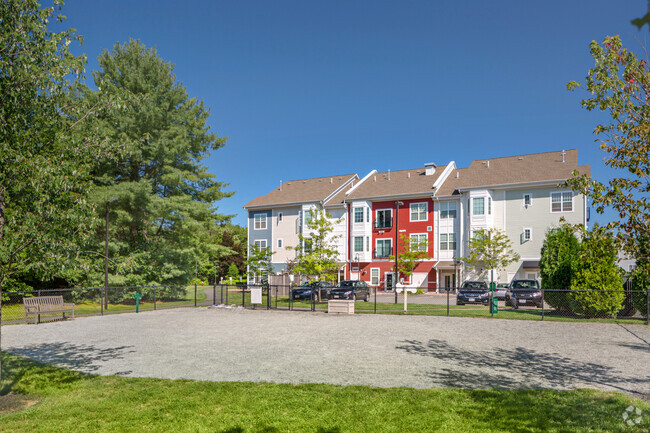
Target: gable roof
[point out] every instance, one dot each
(510, 170)
(302, 191)
(397, 183)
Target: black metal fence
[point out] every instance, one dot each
(626, 305)
(111, 300)
(616, 305)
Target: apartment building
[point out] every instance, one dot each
(439, 205)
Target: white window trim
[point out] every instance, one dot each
(377, 217)
(266, 243)
(530, 199)
(378, 276)
(354, 246)
(390, 247)
(426, 235)
(550, 202)
(280, 243)
(426, 211)
(354, 215)
(448, 241)
(446, 206)
(472, 209)
(530, 230)
(255, 221)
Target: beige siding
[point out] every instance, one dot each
(285, 230)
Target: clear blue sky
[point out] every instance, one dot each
(316, 88)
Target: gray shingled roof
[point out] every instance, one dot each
(537, 167)
(301, 191)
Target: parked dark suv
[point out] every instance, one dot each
(473, 292)
(351, 289)
(309, 289)
(524, 292)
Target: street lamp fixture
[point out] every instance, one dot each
(397, 205)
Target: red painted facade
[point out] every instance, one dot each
(384, 226)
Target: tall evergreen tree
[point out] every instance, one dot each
(559, 264)
(161, 197)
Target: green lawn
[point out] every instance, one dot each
(16, 311)
(74, 402)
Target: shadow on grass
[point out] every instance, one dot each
(26, 376)
(80, 357)
(519, 368)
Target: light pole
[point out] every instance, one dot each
(397, 205)
(105, 303)
(196, 277)
(356, 258)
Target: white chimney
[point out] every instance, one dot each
(429, 168)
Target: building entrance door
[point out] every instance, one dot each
(389, 281)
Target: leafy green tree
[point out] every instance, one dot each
(233, 271)
(559, 264)
(413, 251)
(596, 289)
(490, 249)
(318, 257)
(618, 84)
(44, 151)
(259, 264)
(161, 196)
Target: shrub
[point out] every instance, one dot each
(596, 288)
(558, 265)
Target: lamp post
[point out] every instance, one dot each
(356, 259)
(397, 205)
(105, 303)
(196, 277)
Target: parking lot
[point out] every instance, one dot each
(233, 344)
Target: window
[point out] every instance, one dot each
(418, 211)
(260, 244)
(489, 205)
(374, 276)
(561, 202)
(279, 243)
(358, 214)
(528, 235)
(383, 249)
(419, 242)
(367, 243)
(527, 200)
(306, 246)
(367, 214)
(478, 206)
(358, 244)
(280, 217)
(448, 209)
(384, 219)
(260, 221)
(308, 217)
(447, 241)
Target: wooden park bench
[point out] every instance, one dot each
(39, 305)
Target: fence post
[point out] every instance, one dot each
(195, 293)
(154, 298)
(375, 300)
(448, 301)
(101, 302)
(214, 293)
(542, 304)
(243, 295)
(647, 306)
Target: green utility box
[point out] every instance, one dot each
(494, 301)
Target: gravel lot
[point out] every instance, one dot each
(221, 344)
